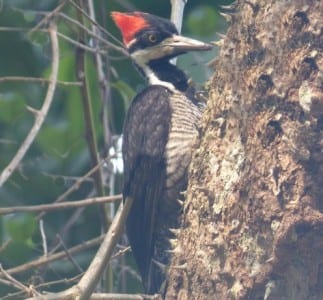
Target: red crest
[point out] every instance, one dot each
(129, 24)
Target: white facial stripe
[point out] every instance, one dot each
(154, 80)
(151, 53)
(142, 57)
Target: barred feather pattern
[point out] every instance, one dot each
(183, 131)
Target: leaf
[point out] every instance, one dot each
(29, 16)
(21, 227)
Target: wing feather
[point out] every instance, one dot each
(145, 135)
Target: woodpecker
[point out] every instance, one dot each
(159, 130)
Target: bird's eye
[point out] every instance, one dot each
(152, 38)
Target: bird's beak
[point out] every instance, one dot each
(169, 48)
(181, 44)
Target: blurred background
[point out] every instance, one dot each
(59, 158)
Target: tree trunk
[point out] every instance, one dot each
(253, 222)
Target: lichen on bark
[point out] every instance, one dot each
(253, 222)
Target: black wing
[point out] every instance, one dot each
(145, 136)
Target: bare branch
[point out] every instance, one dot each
(105, 97)
(103, 81)
(50, 15)
(87, 284)
(70, 257)
(78, 183)
(57, 206)
(64, 37)
(95, 34)
(97, 24)
(17, 284)
(36, 79)
(63, 196)
(80, 45)
(50, 258)
(40, 117)
(20, 29)
(91, 277)
(43, 236)
(59, 281)
(89, 124)
(122, 252)
(17, 295)
(12, 285)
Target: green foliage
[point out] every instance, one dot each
(21, 227)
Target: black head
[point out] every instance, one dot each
(151, 42)
(148, 37)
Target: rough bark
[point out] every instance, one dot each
(253, 222)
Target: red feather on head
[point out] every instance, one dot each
(129, 24)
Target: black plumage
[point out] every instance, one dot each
(155, 173)
(158, 135)
(145, 136)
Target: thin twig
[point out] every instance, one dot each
(105, 96)
(122, 252)
(20, 29)
(11, 284)
(68, 39)
(49, 16)
(86, 286)
(63, 196)
(69, 256)
(41, 286)
(59, 281)
(89, 124)
(67, 226)
(41, 114)
(94, 34)
(105, 92)
(96, 24)
(50, 258)
(14, 281)
(78, 183)
(57, 206)
(91, 277)
(36, 79)
(80, 45)
(43, 236)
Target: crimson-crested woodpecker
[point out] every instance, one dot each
(158, 134)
